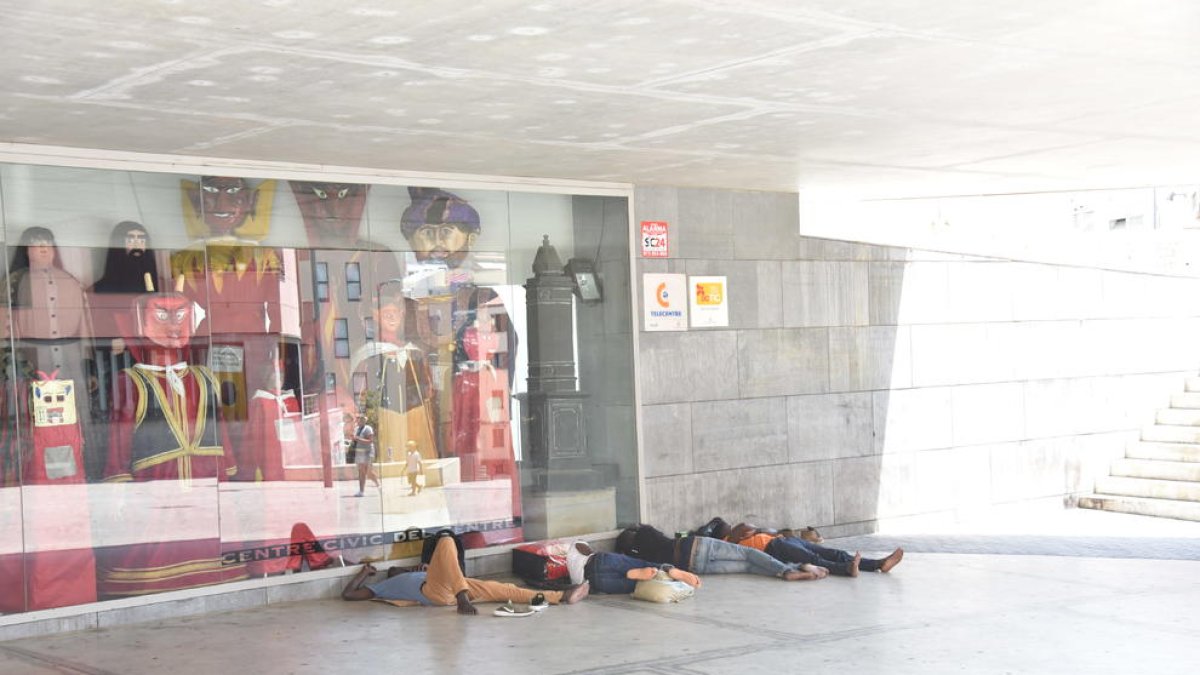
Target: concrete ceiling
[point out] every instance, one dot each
(882, 97)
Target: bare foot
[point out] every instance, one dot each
(686, 577)
(584, 548)
(575, 593)
(821, 572)
(641, 574)
(855, 563)
(892, 560)
(797, 575)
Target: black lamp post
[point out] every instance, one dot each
(556, 432)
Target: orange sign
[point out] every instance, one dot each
(710, 293)
(709, 302)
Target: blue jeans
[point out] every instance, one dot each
(793, 550)
(713, 556)
(607, 572)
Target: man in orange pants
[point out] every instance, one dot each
(443, 583)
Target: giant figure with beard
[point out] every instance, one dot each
(128, 261)
(442, 229)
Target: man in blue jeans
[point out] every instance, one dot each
(796, 550)
(705, 555)
(616, 573)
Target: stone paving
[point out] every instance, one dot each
(1010, 611)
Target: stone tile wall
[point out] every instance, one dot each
(858, 383)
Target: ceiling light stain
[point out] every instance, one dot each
(371, 11)
(129, 45)
(295, 35)
(529, 31)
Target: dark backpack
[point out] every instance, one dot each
(716, 528)
(431, 542)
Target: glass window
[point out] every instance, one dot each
(341, 339)
(353, 282)
(322, 281)
(206, 303)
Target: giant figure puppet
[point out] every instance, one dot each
(476, 343)
(52, 325)
(165, 433)
(240, 282)
(333, 215)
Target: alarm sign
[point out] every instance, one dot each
(654, 239)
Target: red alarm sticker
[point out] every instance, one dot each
(654, 239)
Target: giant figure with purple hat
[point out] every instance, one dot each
(475, 338)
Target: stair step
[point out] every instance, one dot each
(1171, 452)
(1178, 416)
(1185, 400)
(1157, 469)
(1171, 433)
(1160, 508)
(1192, 384)
(1148, 487)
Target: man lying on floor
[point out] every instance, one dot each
(443, 583)
(616, 573)
(796, 550)
(705, 555)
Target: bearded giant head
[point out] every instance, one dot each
(440, 226)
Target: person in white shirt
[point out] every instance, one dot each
(616, 573)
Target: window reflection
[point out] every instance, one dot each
(185, 361)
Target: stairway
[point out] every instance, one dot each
(1160, 474)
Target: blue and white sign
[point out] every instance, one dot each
(665, 302)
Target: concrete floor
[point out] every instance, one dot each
(936, 613)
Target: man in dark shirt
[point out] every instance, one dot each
(705, 555)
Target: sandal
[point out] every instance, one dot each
(509, 609)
